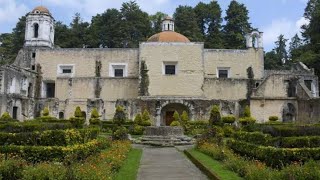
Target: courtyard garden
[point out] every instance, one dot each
(48, 148)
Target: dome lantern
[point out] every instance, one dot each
(168, 24)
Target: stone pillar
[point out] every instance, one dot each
(158, 117)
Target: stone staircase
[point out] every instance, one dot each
(1, 79)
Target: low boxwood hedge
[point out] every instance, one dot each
(30, 126)
(288, 130)
(36, 154)
(260, 138)
(49, 137)
(275, 157)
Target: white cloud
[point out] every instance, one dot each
(10, 11)
(282, 26)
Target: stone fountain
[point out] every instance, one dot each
(165, 136)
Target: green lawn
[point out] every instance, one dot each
(215, 166)
(130, 168)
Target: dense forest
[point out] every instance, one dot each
(129, 25)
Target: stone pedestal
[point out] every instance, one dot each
(165, 136)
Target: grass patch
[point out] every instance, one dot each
(129, 170)
(214, 165)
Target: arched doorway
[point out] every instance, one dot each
(168, 111)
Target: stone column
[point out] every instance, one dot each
(158, 117)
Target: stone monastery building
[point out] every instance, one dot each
(166, 73)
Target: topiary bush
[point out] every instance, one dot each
(6, 117)
(138, 119)
(137, 130)
(273, 118)
(45, 112)
(119, 117)
(247, 112)
(247, 121)
(78, 120)
(230, 119)
(175, 123)
(215, 117)
(94, 120)
(146, 120)
(119, 131)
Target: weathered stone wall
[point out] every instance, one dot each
(189, 78)
(309, 111)
(84, 61)
(225, 89)
(237, 60)
(262, 109)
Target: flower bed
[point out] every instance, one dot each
(49, 137)
(54, 153)
(97, 167)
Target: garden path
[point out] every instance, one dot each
(167, 164)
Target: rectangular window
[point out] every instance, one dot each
(223, 72)
(50, 90)
(34, 55)
(118, 70)
(308, 83)
(118, 73)
(65, 69)
(170, 69)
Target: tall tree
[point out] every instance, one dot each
(281, 51)
(295, 47)
(79, 32)
(106, 29)
(62, 35)
(209, 21)
(186, 23)
(237, 25)
(278, 57)
(156, 21)
(137, 26)
(6, 46)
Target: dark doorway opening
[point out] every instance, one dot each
(15, 112)
(169, 117)
(61, 115)
(51, 90)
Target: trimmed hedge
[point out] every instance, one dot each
(284, 142)
(50, 137)
(30, 126)
(55, 153)
(275, 157)
(288, 130)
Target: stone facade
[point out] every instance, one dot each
(181, 76)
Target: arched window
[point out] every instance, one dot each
(36, 30)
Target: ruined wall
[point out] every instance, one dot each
(189, 59)
(262, 109)
(84, 61)
(237, 60)
(273, 86)
(225, 89)
(309, 111)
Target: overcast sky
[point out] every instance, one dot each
(273, 17)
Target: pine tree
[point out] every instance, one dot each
(295, 47)
(186, 23)
(281, 50)
(237, 26)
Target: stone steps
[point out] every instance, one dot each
(1, 78)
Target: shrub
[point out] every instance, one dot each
(254, 137)
(310, 170)
(215, 117)
(230, 119)
(175, 123)
(146, 120)
(247, 121)
(120, 133)
(45, 112)
(228, 131)
(184, 117)
(29, 126)
(286, 130)
(176, 116)
(119, 116)
(137, 130)
(6, 117)
(78, 112)
(11, 169)
(94, 120)
(247, 112)
(273, 118)
(138, 119)
(45, 171)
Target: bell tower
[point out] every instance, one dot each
(39, 28)
(168, 24)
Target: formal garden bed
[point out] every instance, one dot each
(47, 148)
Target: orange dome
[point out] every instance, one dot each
(41, 9)
(168, 36)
